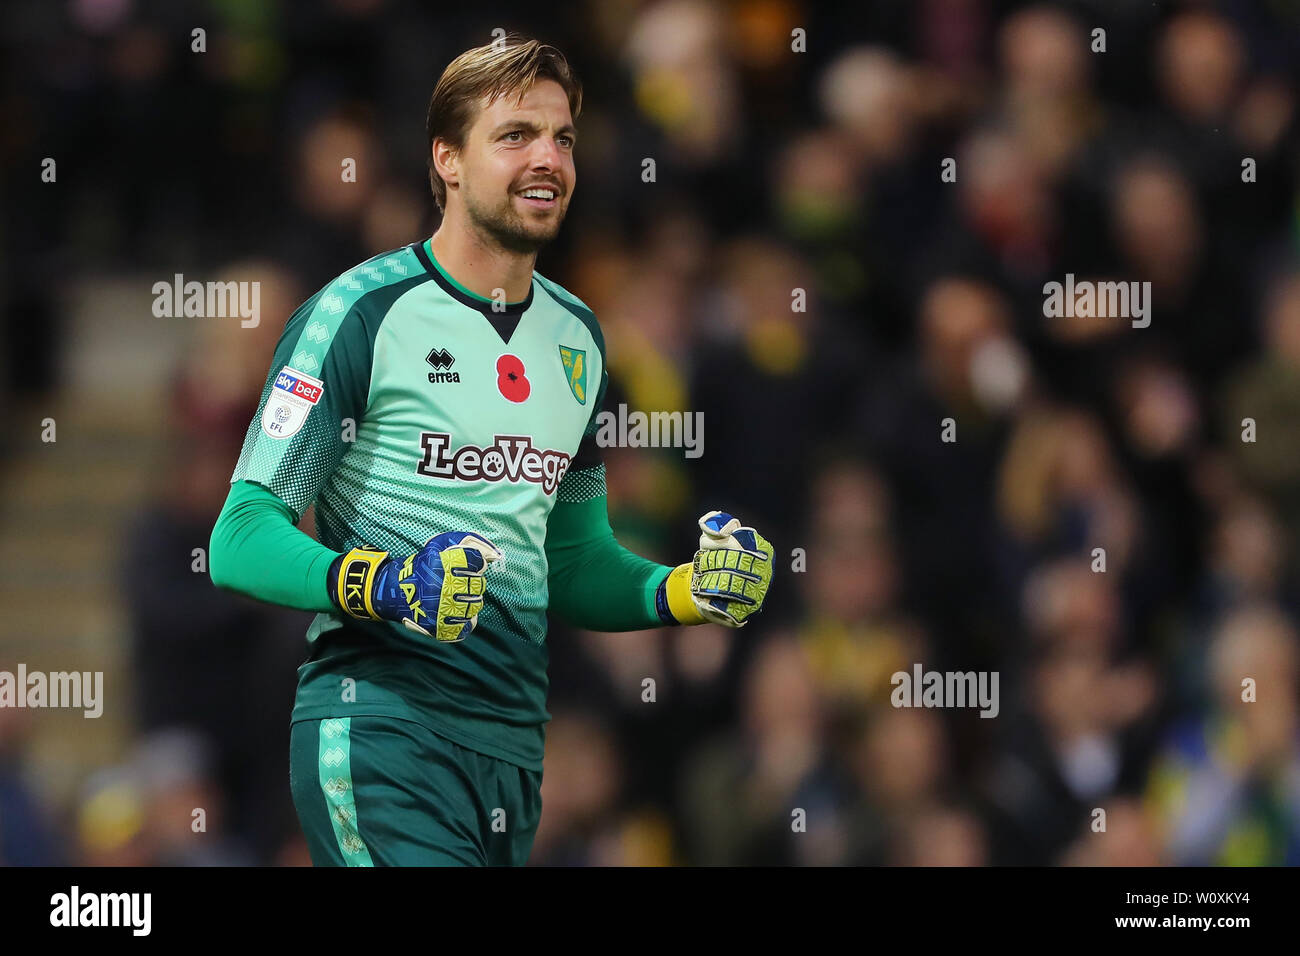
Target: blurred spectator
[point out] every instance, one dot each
(1259, 424)
(28, 835)
(937, 425)
(854, 632)
(161, 807)
(337, 182)
(217, 663)
(1074, 744)
(941, 836)
(1127, 840)
(583, 824)
(769, 378)
(744, 792)
(1227, 786)
(901, 768)
(1046, 98)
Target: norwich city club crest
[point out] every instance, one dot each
(575, 367)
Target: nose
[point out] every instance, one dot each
(545, 153)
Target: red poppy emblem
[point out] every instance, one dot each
(511, 380)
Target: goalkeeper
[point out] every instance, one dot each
(438, 405)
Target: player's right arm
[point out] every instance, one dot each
(319, 377)
(257, 550)
(293, 445)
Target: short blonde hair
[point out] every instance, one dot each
(511, 65)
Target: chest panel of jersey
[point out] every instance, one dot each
(401, 483)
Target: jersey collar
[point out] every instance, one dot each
(505, 320)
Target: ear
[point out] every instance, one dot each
(446, 161)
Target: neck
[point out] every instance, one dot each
(481, 267)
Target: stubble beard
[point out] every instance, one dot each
(504, 227)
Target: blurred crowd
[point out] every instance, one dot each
(1113, 156)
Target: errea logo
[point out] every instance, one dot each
(442, 359)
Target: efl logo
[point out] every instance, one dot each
(297, 384)
(294, 396)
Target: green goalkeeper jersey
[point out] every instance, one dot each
(404, 405)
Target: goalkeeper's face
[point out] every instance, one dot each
(514, 147)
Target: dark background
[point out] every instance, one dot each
(775, 170)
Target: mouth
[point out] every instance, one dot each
(540, 197)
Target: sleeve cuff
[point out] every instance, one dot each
(674, 601)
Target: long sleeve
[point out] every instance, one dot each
(318, 380)
(257, 550)
(594, 581)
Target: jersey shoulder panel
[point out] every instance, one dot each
(578, 483)
(319, 376)
(576, 306)
(332, 336)
(367, 290)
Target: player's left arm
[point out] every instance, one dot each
(596, 583)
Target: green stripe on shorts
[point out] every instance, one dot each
(336, 782)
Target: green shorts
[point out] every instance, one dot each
(381, 791)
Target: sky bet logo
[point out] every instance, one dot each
(442, 359)
(295, 394)
(298, 386)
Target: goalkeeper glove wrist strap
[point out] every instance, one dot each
(352, 579)
(673, 600)
(661, 603)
